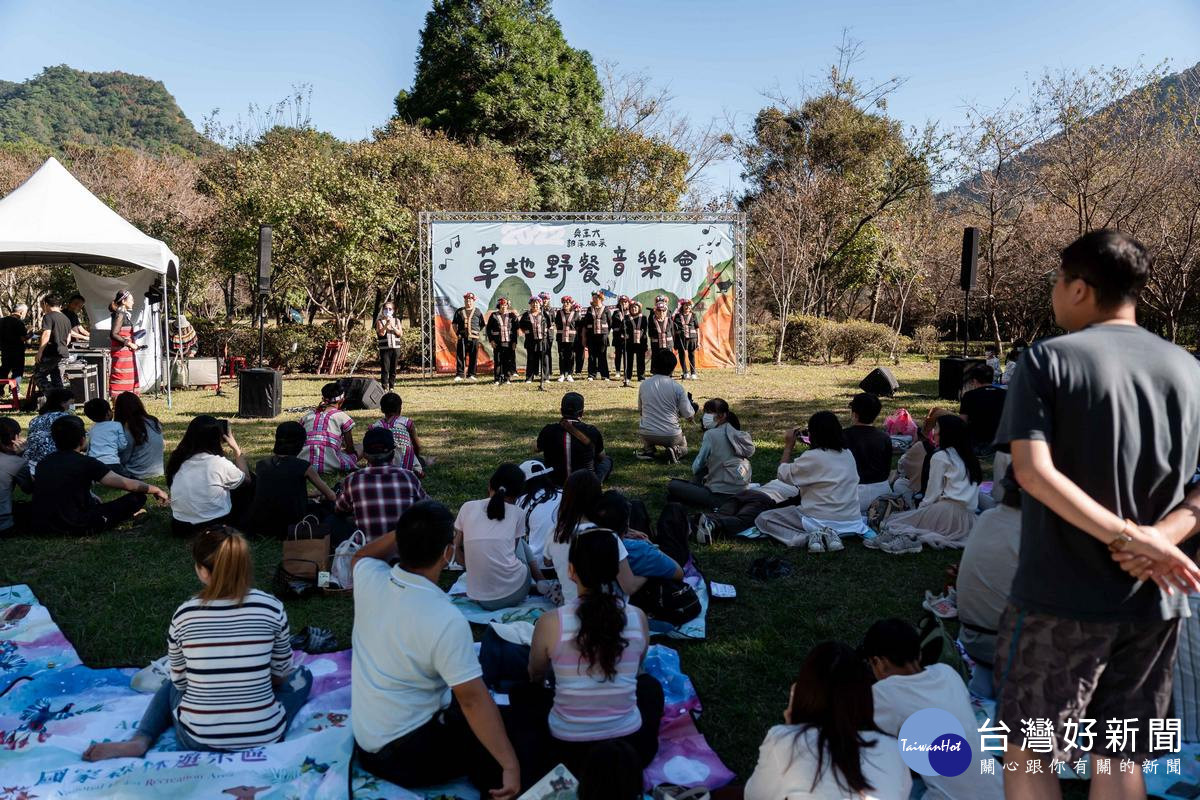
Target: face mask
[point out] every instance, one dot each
(707, 421)
(387, 312)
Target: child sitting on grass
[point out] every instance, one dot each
(408, 446)
(107, 441)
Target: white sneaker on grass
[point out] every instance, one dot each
(816, 542)
(704, 530)
(831, 540)
(900, 545)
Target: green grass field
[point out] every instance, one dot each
(113, 594)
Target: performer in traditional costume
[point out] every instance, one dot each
(537, 343)
(687, 338)
(618, 331)
(468, 324)
(597, 322)
(123, 346)
(566, 323)
(635, 342)
(661, 329)
(502, 333)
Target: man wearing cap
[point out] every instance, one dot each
(502, 333)
(687, 338)
(597, 322)
(660, 329)
(635, 342)
(618, 331)
(537, 343)
(566, 323)
(468, 323)
(569, 444)
(378, 494)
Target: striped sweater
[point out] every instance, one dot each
(223, 655)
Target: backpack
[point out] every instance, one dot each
(668, 600)
(939, 647)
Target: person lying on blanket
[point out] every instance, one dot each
(420, 711)
(234, 640)
(594, 646)
(489, 539)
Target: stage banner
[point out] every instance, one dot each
(494, 259)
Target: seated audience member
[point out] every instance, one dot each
(984, 578)
(420, 711)
(828, 745)
(144, 456)
(39, 444)
(1012, 360)
(14, 515)
(981, 406)
(404, 431)
(722, 467)
(947, 511)
(489, 541)
(909, 469)
(580, 502)
(892, 648)
(539, 506)
(594, 646)
(662, 403)
(827, 480)
(281, 486)
(739, 512)
(992, 359)
(871, 448)
(206, 487)
(107, 442)
(63, 502)
(330, 445)
(232, 684)
(570, 444)
(646, 560)
(375, 496)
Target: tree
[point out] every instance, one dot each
(628, 171)
(501, 71)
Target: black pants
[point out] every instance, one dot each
(695, 494)
(105, 516)
(504, 362)
(654, 349)
(566, 358)
(597, 357)
(388, 356)
(644, 740)
(579, 357)
(603, 466)
(537, 363)
(739, 512)
(618, 343)
(437, 752)
(687, 355)
(49, 375)
(466, 354)
(12, 363)
(635, 352)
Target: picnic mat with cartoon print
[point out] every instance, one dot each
(52, 707)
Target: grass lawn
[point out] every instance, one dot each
(113, 594)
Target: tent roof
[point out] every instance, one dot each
(52, 218)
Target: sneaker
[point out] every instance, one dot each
(816, 542)
(642, 455)
(457, 378)
(624, 383)
(672, 456)
(943, 606)
(695, 377)
(876, 542)
(472, 378)
(562, 378)
(704, 530)
(496, 382)
(831, 540)
(590, 378)
(570, 379)
(151, 676)
(900, 545)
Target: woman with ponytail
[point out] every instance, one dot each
(232, 682)
(595, 645)
(123, 376)
(828, 747)
(489, 540)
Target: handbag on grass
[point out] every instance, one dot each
(305, 555)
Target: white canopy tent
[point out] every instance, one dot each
(52, 218)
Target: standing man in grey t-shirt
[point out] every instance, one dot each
(1104, 429)
(662, 403)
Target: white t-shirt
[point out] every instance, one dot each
(897, 697)
(411, 645)
(828, 483)
(489, 548)
(662, 401)
(948, 480)
(106, 442)
(201, 487)
(560, 552)
(787, 765)
(540, 519)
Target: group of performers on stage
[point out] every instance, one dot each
(575, 330)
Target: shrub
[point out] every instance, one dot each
(925, 340)
(760, 344)
(807, 338)
(853, 338)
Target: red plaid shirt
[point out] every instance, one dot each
(377, 496)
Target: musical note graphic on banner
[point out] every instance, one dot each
(448, 248)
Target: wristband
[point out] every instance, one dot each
(1119, 543)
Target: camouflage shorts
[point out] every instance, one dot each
(1060, 669)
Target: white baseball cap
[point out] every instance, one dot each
(534, 469)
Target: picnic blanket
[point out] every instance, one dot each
(533, 606)
(52, 707)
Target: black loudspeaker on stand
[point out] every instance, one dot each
(361, 393)
(260, 393)
(950, 375)
(881, 381)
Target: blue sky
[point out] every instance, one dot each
(718, 58)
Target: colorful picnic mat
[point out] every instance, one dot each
(52, 707)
